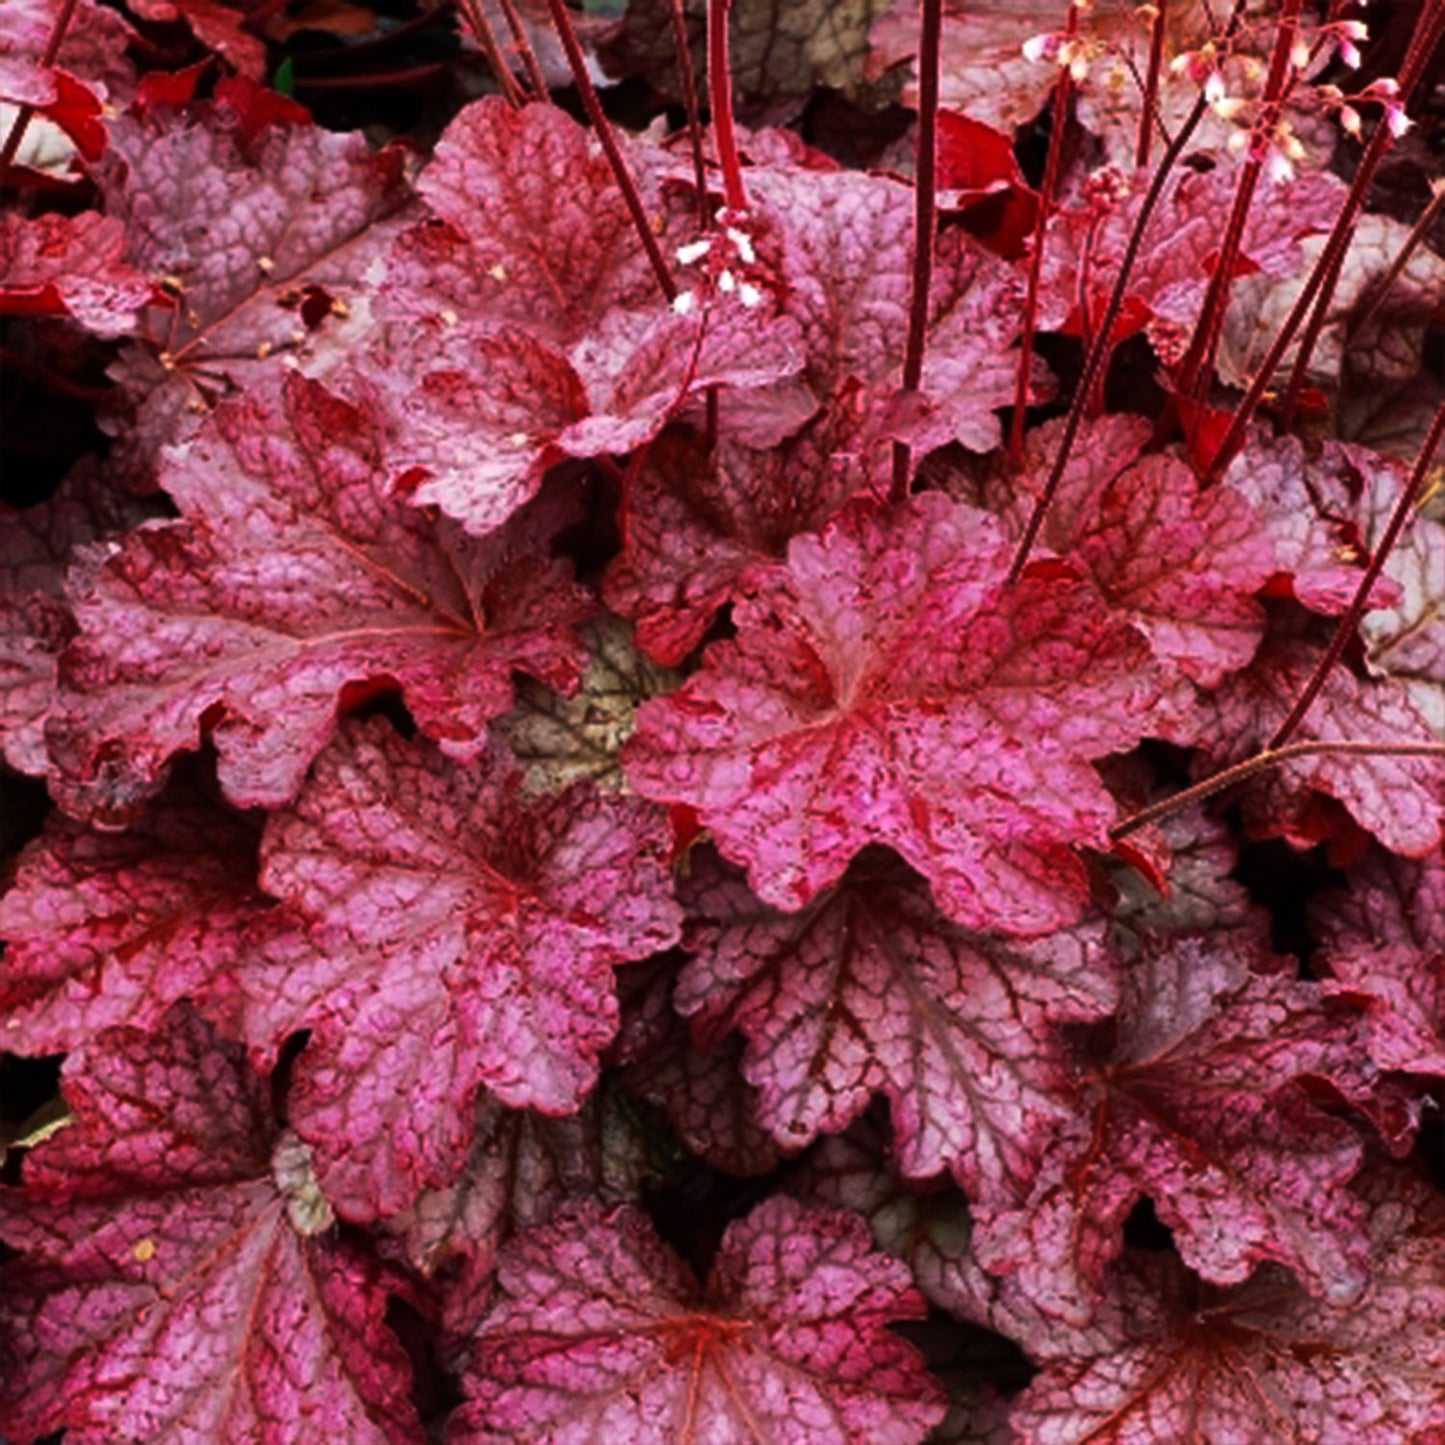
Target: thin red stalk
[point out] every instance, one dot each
(925, 219)
(26, 113)
(1272, 757)
(1422, 47)
(688, 78)
(568, 36)
(1346, 629)
(15, 361)
(1099, 350)
(522, 44)
(720, 87)
(1151, 84)
(1418, 231)
(1063, 87)
(387, 79)
(1195, 369)
(1329, 258)
(481, 28)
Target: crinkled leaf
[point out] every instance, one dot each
(479, 940)
(176, 1278)
(293, 578)
(1401, 800)
(1196, 1106)
(1383, 942)
(841, 242)
(264, 240)
(1264, 1361)
(104, 929)
(870, 989)
(601, 1334)
(479, 411)
(70, 265)
(703, 528)
(93, 50)
(531, 228)
(701, 1090)
(1181, 563)
(886, 687)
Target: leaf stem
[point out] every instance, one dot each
(1151, 84)
(1196, 368)
(1423, 43)
(720, 88)
(568, 36)
(1404, 505)
(1269, 758)
(481, 28)
(522, 44)
(1333, 253)
(1048, 192)
(925, 220)
(688, 78)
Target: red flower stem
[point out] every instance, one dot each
(568, 36)
(720, 87)
(1335, 247)
(376, 80)
(688, 78)
(26, 113)
(1062, 93)
(925, 219)
(1272, 757)
(1195, 369)
(1385, 284)
(481, 28)
(1099, 350)
(1346, 629)
(522, 44)
(1151, 84)
(1422, 46)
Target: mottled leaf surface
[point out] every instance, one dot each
(175, 1277)
(600, 1333)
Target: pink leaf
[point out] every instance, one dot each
(1263, 1361)
(103, 929)
(480, 937)
(70, 265)
(177, 1277)
(870, 989)
(886, 687)
(293, 579)
(599, 1331)
(1382, 942)
(1196, 1106)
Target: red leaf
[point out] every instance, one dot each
(1382, 943)
(537, 231)
(216, 26)
(293, 577)
(480, 937)
(240, 226)
(702, 530)
(104, 929)
(178, 1279)
(599, 1328)
(1263, 1361)
(1196, 1106)
(1401, 800)
(1181, 563)
(849, 712)
(871, 990)
(840, 245)
(70, 265)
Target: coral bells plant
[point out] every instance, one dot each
(751, 757)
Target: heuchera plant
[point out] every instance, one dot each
(756, 759)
